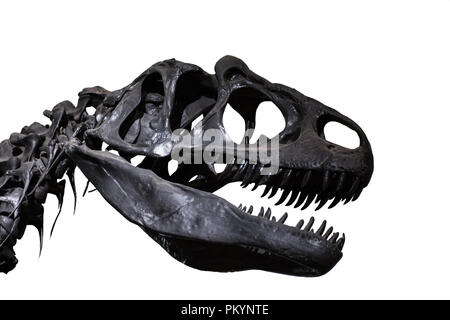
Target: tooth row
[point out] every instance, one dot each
(334, 239)
(302, 187)
(267, 214)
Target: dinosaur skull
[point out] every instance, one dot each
(180, 210)
(181, 213)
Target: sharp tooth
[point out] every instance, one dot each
(357, 194)
(264, 179)
(348, 198)
(294, 196)
(326, 180)
(301, 199)
(300, 224)
(228, 169)
(274, 192)
(283, 218)
(341, 241)
(274, 219)
(306, 178)
(322, 202)
(354, 186)
(250, 210)
(244, 209)
(310, 224)
(322, 228)
(310, 199)
(327, 234)
(268, 213)
(255, 186)
(248, 176)
(287, 174)
(240, 171)
(341, 182)
(283, 197)
(334, 237)
(261, 212)
(257, 177)
(266, 191)
(335, 202)
(240, 206)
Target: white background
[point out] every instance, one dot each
(383, 63)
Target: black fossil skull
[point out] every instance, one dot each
(179, 210)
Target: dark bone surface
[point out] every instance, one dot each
(180, 213)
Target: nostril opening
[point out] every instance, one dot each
(340, 134)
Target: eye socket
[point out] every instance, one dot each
(269, 121)
(340, 134)
(234, 124)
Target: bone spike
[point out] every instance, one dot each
(310, 224)
(300, 224)
(268, 213)
(283, 197)
(341, 181)
(334, 237)
(283, 218)
(294, 196)
(310, 199)
(266, 190)
(261, 212)
(274, 192)
(322, 228)
(250, 210)
(301, 199)
(326, 180)
(306, 178)
(341, 241)
(335, 202)
(327, 234)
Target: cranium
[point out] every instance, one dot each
(179, 211)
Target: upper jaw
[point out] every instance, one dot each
(175, 211)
